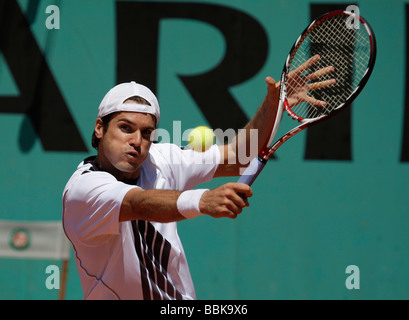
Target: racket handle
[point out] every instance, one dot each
(252, 171)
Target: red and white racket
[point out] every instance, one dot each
(326, 69)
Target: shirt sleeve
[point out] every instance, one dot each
(92, 205)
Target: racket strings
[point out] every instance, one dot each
(346, 49)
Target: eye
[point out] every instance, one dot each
(146, 134)
(125, 128)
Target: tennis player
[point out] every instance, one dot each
(121, 207)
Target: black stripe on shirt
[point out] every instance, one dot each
(153, 251)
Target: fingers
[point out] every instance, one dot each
(241, 188)
(234, 200)
(315, 102)
(299, 85)
(273, 89)
(239, 198)
(319, 73)
(313, 75)
(306, 65)
(321, 84)
(226, 201)
(316, 86)
(270, 81)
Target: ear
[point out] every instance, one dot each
(99, 128)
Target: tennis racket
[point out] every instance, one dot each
(326, 69)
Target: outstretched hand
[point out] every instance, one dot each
(299, 84)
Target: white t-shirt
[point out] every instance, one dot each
(132, 259)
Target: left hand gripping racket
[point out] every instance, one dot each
(326, 69)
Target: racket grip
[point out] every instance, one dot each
(252, 171)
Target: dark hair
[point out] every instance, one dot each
(107, 119)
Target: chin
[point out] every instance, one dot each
(127, 167)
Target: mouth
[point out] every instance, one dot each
(133, 154)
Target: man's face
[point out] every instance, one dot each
(125, 144)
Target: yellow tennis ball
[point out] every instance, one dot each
(201, 138)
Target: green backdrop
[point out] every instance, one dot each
(308, 219)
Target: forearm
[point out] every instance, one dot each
(258, 129)
(262, 121)
(150, 205)
(167, 205)
(240, 151)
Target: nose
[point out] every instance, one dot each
(136, 139)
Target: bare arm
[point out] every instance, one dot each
(161, 205)
(150, 205)
(262, 121)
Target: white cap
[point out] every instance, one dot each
(115, 98)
